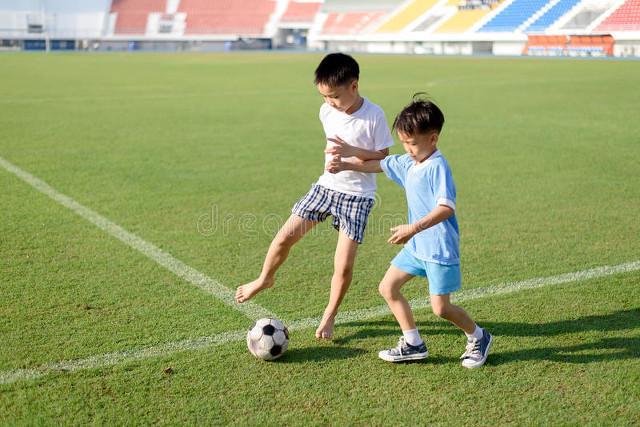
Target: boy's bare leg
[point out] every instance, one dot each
(389, 288)
(290, 233)
(345, 257)
(443, 308)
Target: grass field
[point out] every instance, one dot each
(203, 157)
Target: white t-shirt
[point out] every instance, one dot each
(366, 128)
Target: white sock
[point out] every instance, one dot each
(412, 337)
(477, 333)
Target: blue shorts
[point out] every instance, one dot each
(443, 279)
(350, 213)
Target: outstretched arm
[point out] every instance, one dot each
(338, 165)
(343, 149)
(402, 233)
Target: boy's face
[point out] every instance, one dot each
(342, 98)
(420, 145)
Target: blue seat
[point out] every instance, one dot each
(552, 15)
(513, 16)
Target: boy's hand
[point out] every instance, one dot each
(341, 148)
(402, 234)
(336, 165)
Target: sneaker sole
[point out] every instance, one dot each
(484, 359)
(419, 356)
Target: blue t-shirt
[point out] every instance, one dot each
(428, 185)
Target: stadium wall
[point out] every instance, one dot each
(435, 44)
(68, 24)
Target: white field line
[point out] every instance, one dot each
(179, 268)
(111, 359)
(481, 292)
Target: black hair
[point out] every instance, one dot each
(337, 69)
(419, 117)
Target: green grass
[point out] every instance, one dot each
(544, 154)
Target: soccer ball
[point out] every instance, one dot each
(268, 339)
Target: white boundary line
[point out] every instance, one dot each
(481, 292)
(179, 268)
(110, 359)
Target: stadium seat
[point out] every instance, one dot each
(244, 17)
(590, 45)
(132, 15)
(513, 16)
(552, 15)
(463, 19)
(349, 22)
(625, 18)
(300, 12)
(408, 13)
(546, 45)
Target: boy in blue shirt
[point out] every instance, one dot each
(431, 239)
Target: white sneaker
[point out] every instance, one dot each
(404, 352)
(477, 351)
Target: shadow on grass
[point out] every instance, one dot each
(329, 352)
(610, 348)
(606, 349)
(320, 354)
(391, 329)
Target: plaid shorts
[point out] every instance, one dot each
(349, 212)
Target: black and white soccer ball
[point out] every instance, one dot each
(268, 339)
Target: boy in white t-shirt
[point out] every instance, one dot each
(348, 197)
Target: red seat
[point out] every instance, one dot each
(349, 22)
(301, 12)
(132, 15)
(244, 17)
(625, 18)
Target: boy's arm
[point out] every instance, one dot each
(337, 165)
(342, 149)
(402, 233)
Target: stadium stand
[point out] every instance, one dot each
(586, 14)
(513, 16)
(349, 22)
(243, 17)
(406, 14)
(300, 12)
(625, 18)
(461, 27)
(463, 19)
(551, 15)
(131, 16)
(352, 17)
(430, 20)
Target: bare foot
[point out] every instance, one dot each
(246, 292)
(325, 329)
